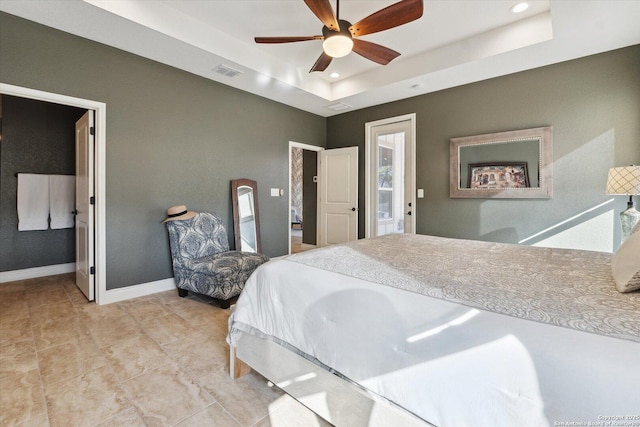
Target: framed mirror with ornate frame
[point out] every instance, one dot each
(246, 219)
(513, 164)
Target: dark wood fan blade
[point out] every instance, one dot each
(397, 14)
(323, 10)
(374, 52)
(322, 63)
(286, 39)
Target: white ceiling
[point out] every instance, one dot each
(455, 42)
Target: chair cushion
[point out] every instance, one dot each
(221, 275)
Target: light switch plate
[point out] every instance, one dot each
(275, 192)
(420, 193)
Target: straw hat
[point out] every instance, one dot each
(179, 212)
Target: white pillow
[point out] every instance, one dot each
(625, 264)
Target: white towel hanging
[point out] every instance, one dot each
(33, 202)
(62, 200)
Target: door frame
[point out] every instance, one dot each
(293, 144)
(100, 117)
(368, 127)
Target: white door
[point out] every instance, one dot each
(338, 195)
(390, 178)
(84, 205)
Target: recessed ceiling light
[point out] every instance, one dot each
(334, 75)
(520, 7)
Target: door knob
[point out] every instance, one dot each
(354, 209)
(409, 213)
(75, 211)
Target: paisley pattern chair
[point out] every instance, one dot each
(202, 261)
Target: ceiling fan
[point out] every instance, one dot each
(341, 37)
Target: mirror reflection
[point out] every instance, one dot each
(508, 164)
(245, 215)
(247, 219)
(514, 164)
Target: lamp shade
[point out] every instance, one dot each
(624, 180)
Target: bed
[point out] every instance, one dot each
(445, 332)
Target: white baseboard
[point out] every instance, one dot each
(135, 291)
(31, 273)
(112, 295)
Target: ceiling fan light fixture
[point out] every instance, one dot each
(337, 46)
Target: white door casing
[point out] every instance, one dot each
(338, 195)
(84, 207)
(375, 132)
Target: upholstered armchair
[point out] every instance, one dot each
(202, 261)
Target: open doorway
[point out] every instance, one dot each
(98, 159)
(303, 196)
(37, 179)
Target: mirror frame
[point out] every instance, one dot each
(235, 183)
(544, 136)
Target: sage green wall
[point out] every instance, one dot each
(172, 138)
(592, 103)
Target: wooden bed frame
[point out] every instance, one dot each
(334, 399)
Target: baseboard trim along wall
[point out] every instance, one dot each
(32, 273)
(135, 291)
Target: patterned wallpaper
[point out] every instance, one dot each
(296, 180)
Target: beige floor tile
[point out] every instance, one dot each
(15, 330)
(142, 310)
(18, 285)
(248, 399)
(166, 395)
(11, 294)
(12, 310)
(46, 283)
(134, 356)
(114, 329)
(70, 359)
(128, 418)
(291, 413)
(46, 296)
(18, 356)
(40, 420)
(86, 400)
(53, 311)
(212, 416)
(199, 313)
(56, 332)
(92, 312)
(21, 397)
(200, 354)
(79, 300)
(166, 297)
(166, 329)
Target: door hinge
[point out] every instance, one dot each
(92, 200)
(92, 130)
(92, 270)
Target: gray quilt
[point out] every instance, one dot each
(563, 287)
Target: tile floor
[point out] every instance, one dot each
(158, 360)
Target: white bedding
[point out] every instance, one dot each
(450, 364)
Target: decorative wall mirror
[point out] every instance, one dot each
(515, 164)
(246, 223)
